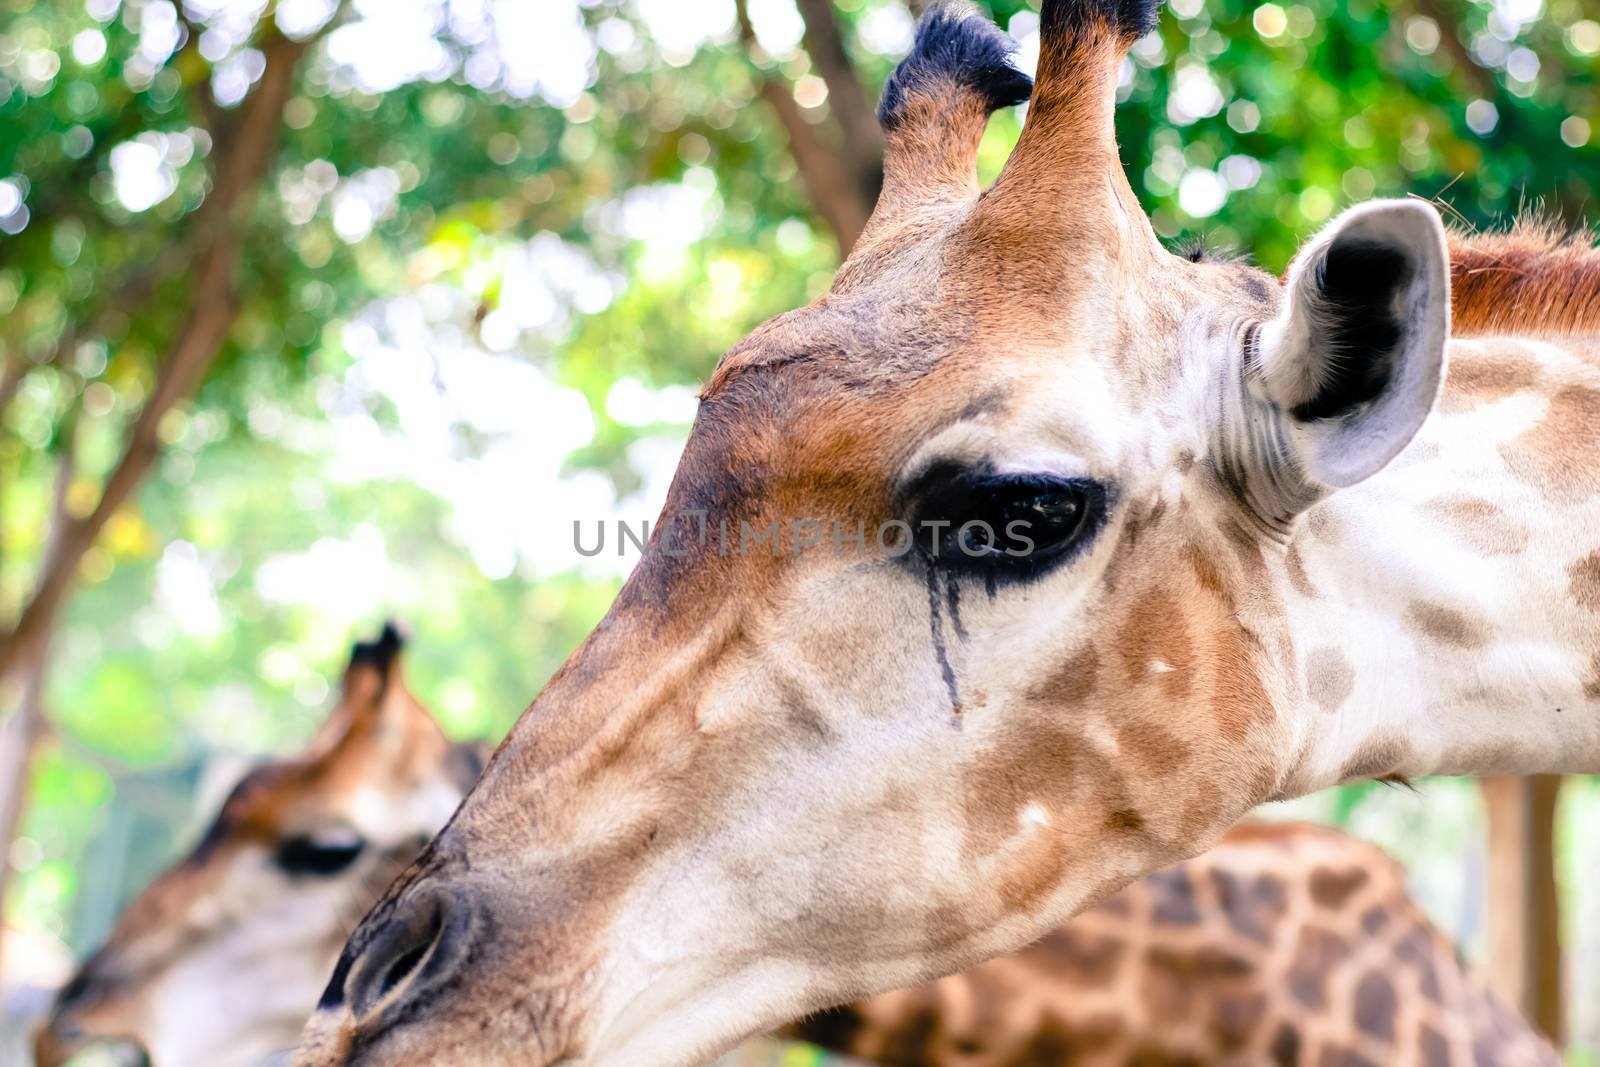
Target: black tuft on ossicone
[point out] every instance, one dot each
(379, 654)
(954, 45)
(1130, 18)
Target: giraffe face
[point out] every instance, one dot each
(219, 961)
(783, 773)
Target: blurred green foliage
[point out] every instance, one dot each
(401, 211)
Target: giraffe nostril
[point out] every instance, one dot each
(401, 968)
(417, 944)
(75, 989)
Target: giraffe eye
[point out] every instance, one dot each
(318, 855)
(1010, 521)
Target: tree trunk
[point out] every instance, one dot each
(1524, 912)
(20, 734)
(847, 97)
(842, 186)
(245, 148)
(833, 190)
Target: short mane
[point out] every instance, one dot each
(1536, 278)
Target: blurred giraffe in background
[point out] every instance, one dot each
(1287, 944)
(217, 963)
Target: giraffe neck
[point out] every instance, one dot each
(1444, 616)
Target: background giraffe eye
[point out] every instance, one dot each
(319, 854)
(1010, 521)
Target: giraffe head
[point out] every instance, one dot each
(949, 625)
(219, 961)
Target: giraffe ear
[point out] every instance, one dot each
(1355, 359)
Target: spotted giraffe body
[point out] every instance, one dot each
(1470, 571)
(1285, 945)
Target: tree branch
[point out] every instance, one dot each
(212, 309)
(16, 369)
(832, 185)
(1480, 81)
(847, 97)
(129, 291)
(21, 732)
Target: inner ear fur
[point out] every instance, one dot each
(1356, 358)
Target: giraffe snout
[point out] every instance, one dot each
(83, 1014)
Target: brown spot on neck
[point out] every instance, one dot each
(1155, 637)
(1322, 524)
(1069, 684)
(1125, 820)
(1246, 547)
(1298, 578)
(1480, 524)
(1483, 379)
(1329, 678)
(1591, 685)
(1332, 889)
(1253, 906)
(1445, 625)
(1205, 570)
(1285, 1049)
(1156, 750)
(1557, 455)
(1584, 577)
(1376, 1006)
(1317, 955)
(1172, 897)
(1086, 958)
(1238, 698)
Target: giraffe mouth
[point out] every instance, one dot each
(59, 1044)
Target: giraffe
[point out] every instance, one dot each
(217, 963)
(1287, 942)
(1189, 962)
(1284, 936)
(1277, 938)
(1052, 554)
